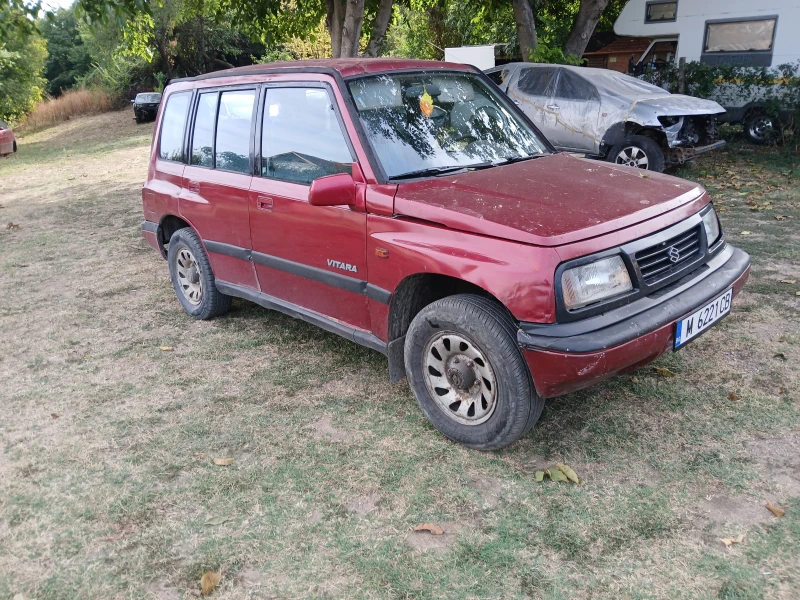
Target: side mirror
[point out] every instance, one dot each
(333, 190)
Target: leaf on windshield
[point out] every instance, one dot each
(426, 104)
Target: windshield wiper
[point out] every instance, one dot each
(507, 160)
(437, 171)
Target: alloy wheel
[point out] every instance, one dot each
(633, 156)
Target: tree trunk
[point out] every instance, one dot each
(526, 27)
(589, 14)
(379, 29)
(351, 32)
(161, 46)
(333, 21)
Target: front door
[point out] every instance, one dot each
(216, 180)
(534, 92)
(577, 105)
(313, 257)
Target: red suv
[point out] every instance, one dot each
(409, 206)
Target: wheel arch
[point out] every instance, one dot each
(412, 294)
(167, 227)
(625, 129)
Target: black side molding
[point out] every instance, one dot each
(354, 335)
(337, 280)
(150, 226)
(642, 316)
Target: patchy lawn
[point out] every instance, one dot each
(107, 441)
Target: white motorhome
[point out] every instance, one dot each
(734, 32)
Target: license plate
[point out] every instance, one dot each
(702, 319)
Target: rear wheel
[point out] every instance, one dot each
(638, 151)
(759, 128)
(468, 374)
(192, 278)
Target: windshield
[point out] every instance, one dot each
(424, 121)
(151, 98)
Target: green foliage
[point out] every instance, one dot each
(22, 60)
(554, 55)
(68, 58)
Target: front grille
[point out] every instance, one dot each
(670, 256)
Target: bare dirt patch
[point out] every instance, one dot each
(779, 460)
(361, 506)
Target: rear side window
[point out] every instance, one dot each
(538, 81)
(572, 86)
(173, 125)
(203, 136)
(301, 138)
(232, 149)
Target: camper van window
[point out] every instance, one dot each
(754, 35)
(659, 12)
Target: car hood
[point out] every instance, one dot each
(677, 105)
(545, 201)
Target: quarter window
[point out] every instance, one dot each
(235, 115)
(658, 12)
(301, 139)
(172, 127)
(203, 136)
(740, 36)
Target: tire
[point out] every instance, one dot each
(638, 151)
(499, 392)
(192, 277)
(759, 128)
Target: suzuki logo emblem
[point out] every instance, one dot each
(674, 254)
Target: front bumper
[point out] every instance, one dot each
(565, 357)
(680, 155)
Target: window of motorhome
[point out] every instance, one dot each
(755, 35)
(659, 12)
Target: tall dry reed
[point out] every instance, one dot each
(72, 103)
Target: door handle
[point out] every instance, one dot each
(193, 186)
(264, 203)
(553, 106)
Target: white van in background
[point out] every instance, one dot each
(722, 32)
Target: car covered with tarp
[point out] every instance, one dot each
(609, 115)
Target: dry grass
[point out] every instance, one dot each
(106, 442)
(71, 104)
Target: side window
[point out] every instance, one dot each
(301, 138)
(538, 81)
(572, 86)
(203, 136)
(232, 148)
(173, 125)
(659, 11)
(498, 76)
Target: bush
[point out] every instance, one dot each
(72, 103)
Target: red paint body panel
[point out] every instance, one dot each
(557, 373)
(548, 201)
(504, 229)
(7, 141)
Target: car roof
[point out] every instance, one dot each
(346, 67)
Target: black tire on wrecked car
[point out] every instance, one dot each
(192, 277)
(638, 151)
(468, 373)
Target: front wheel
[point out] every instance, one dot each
(468, 374)
(638, 151)
(192, 278)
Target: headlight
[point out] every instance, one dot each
(594, 282)
(711, 223)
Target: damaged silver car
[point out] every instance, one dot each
(611, 116)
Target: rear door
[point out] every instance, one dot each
(533, 90)
(217, 178)
(313, 257)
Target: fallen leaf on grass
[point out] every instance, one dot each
(664, 372)
(218, 520)
(166, 348)
(780, 355)
(789, 281)
(539, 476)
(781, 217)
(12, 226)
(797, 293)
(209, 582)
(634, 379)
(745, 233)
(782, 390)
(733, 396)
(223, 462)
(555, 475)
(775, 510)
(728, 541)
(53, 415)
(570, 474)
(430, 528)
